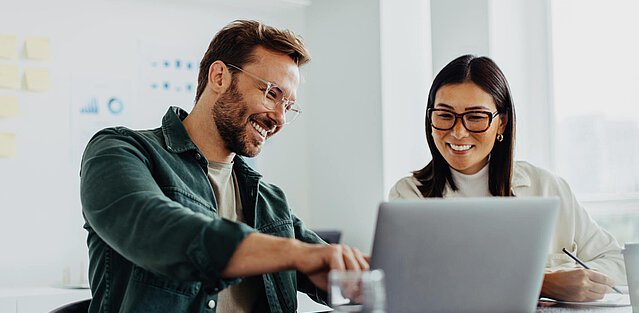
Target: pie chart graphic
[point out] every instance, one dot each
(115, 105)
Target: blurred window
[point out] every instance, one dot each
(596, 79)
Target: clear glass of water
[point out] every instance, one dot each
(351, 291)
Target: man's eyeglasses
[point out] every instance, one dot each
(274, 97)
(473, 121)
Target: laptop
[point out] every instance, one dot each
(464, 255)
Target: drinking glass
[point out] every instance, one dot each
(351, 291)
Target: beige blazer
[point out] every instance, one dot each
(575, 230)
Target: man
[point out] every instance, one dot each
(176, 220)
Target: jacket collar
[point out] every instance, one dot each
(520, 177)
(241, 166)
(175, 134)
(178, 140)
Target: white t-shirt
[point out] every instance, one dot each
(240, 297)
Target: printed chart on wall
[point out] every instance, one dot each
(97, 103)
(168, 74)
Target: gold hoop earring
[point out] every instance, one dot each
(500, 137)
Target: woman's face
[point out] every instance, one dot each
(465, 151)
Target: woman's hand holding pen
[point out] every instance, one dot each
(576, 284)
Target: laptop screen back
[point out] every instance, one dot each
(464, 255)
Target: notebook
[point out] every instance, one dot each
(609, 300)
(464, 255)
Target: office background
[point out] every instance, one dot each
(124, 62)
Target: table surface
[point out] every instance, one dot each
(306, 305)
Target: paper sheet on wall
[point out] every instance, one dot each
(168, 73)
(9, 106)
(37, 79)
(96, 103)
(9, 76)
(8, 47)
(8, 146)
(37, 48)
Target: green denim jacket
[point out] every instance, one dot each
(156, 243)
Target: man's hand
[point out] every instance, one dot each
(576, 285)
(260, 254)
(317, 260)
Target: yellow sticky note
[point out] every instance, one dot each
(8, 47)
(9, 76)
(9, 106)
(37, 79)
(37, 48)
(8, 146)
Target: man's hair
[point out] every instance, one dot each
(483, 72)
(236, 42)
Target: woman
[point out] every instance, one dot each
(470, 129)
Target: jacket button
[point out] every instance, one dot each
(198, 156)
(211, 304)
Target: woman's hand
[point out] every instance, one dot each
(576, 284)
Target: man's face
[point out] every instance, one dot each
(242, 120)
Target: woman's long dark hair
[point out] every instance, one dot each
(484, 73)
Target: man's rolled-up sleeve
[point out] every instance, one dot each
(124, 205)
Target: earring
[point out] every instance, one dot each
(500, 137)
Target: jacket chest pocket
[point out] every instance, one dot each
(189, 200)
(148, 292)
(281, 228)
(178, 287)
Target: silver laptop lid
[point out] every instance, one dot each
(464, 255)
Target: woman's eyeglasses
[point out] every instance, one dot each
(473, 121)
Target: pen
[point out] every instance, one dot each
(572, 256)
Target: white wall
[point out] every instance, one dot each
(406, 78)
(458, 27)
(345, 124)
(367, 90)
(41, 231)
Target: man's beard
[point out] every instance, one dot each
(229, 113)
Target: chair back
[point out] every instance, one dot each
(74, 307)
(330, 236)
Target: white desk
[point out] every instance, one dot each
(305, 304)
(38, 299)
